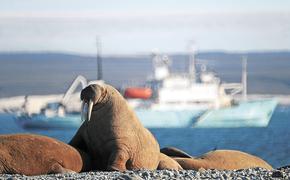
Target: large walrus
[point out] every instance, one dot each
(34, 155)
(217, 159)
(112, 134)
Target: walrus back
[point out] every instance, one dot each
(34, 154)
(223, 160)
(236, 159)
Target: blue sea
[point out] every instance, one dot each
(270, 143)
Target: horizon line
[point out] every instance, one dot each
(147, 53)
(138, 14)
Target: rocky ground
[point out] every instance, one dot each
(255, 173)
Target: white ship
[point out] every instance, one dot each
(175, 100)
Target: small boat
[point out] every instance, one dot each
(56, 114)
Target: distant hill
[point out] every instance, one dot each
(47, 73)
(216, 55)
(42, 56)
(279, 55)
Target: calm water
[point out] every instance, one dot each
(270, 143)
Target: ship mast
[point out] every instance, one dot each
(191, 70)
(244, 76)
(99, 60)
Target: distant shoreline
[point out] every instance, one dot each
(52, 73)
(38, 101)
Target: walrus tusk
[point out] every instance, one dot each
(87, 110)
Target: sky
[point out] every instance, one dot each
(135, 26)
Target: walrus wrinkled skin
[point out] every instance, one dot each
(112, 134)
(34, 155)
(223, 160)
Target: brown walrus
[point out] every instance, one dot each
(112, 134)
(217, 159)
(30, 154)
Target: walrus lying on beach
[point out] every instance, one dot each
(34, 155)
(112, 134)
(217, 159)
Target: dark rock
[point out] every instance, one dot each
(277, 174)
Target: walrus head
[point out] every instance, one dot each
(90, 96)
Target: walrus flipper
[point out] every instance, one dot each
(77, 140)
(79, 144)
(174, 152)
(118, 161)
(168, 163)
(57, 168)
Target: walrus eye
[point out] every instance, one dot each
(86, 110)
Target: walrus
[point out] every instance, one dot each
(217, 159)
(112, 134)
(30, 154)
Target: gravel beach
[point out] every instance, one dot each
(254, 173)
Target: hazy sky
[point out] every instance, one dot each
(16, 6)
(132, 26)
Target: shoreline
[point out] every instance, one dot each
(252, 173)
(37, 101)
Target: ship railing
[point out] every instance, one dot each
(78, 80)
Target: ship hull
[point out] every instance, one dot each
(40, 121)
(245, 114)
(167, 118)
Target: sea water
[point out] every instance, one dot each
(270, 143)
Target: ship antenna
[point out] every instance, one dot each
(99, 59)
(191, 69)
(244, 76)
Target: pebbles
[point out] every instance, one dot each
(253, 173)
